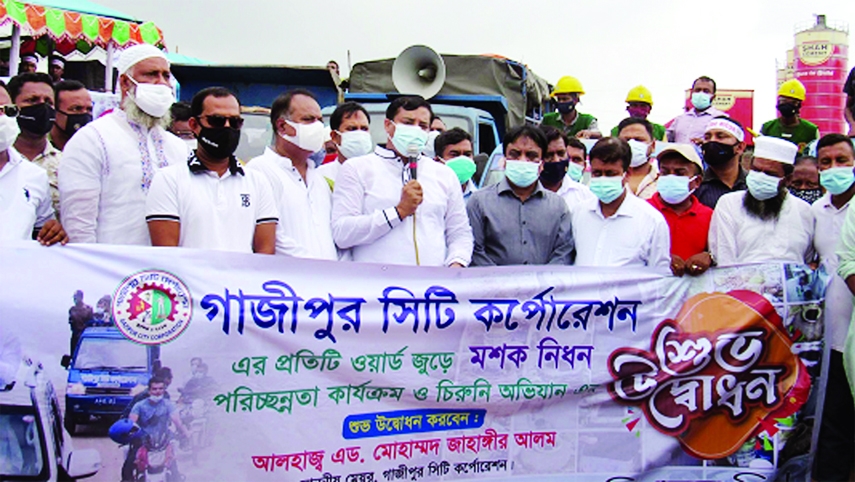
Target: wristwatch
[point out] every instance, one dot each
(712, 260)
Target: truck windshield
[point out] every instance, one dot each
(21, 444)
(110, 354)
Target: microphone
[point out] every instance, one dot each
(413, 152)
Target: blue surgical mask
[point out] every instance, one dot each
(762, 186)
(837, 180)
(575, 171)
(701, 100)
(407, 135)
(639, 152)
(673, 189)
(607, 189)
(355, 143)
(463, 166)
(522, 173)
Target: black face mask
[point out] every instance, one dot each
(717, 154)
(75, 122)
(565, 107)
(219, 143)
(554, 172)
(788, 110)
(36, 119)
(808, 195)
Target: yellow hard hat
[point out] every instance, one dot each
(793, 88)
(639, 93)
(568, 85)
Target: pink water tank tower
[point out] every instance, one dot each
(821, 64)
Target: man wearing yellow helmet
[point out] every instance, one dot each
(639, 103)
(789, 126)
(568, 120)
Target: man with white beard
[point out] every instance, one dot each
(108, 165)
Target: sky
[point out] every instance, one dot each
(609, 45)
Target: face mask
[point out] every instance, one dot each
(638, 112)
(837, 180)
(407, 135)
(219, 143)
(155, 399)
(36, 119)
(701, 100)
(565, 107)
(521, 173)
(463, 166)
(717, 154)
(807, 195)
(762, 186)
(575, 171)
(554, 172)
(74, 122)
(191, 144)
(607, 189)
(355, 144)
(309, 137)
(8, 131)
(639, 153)
(429, 149)
(154, 99)
(673, 189)
(788, 110)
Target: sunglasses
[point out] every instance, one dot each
(10, 110)
(219, 121)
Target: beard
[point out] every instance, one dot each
(138, 116)
(766, 210)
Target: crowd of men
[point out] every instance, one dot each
(703, 200)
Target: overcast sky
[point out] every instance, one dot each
(610, 45)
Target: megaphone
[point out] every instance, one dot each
(419, 70)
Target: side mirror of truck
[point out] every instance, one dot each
(83, 463)
(66, 361)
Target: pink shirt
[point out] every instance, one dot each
(691, 125)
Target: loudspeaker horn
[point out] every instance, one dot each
(419, 70)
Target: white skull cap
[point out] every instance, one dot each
(774, 149)
(136, 54)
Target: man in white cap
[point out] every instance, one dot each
(764, 223)
(29, 63)
(108, 165)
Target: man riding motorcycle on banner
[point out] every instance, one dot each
(153, 416)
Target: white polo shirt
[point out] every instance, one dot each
(304, 224)
(25, 200)
(215, 212)
(838, 299)
(329, 172)
(636, 235)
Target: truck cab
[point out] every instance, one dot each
(104, 374)
(34, 446)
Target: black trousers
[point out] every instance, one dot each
(835, 454)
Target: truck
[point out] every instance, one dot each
(105, 372)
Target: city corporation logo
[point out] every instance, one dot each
(152, 307)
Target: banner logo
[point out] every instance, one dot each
(152, 307)
(721, 372)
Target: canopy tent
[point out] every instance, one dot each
(66, 26)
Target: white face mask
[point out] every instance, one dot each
(639, 153)
(155, 399)
(355, 143)
(153, 99)
(429, 149)
(8, 131)
(309, 137)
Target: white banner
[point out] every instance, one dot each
(352, 372)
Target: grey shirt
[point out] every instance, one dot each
(508, 231)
